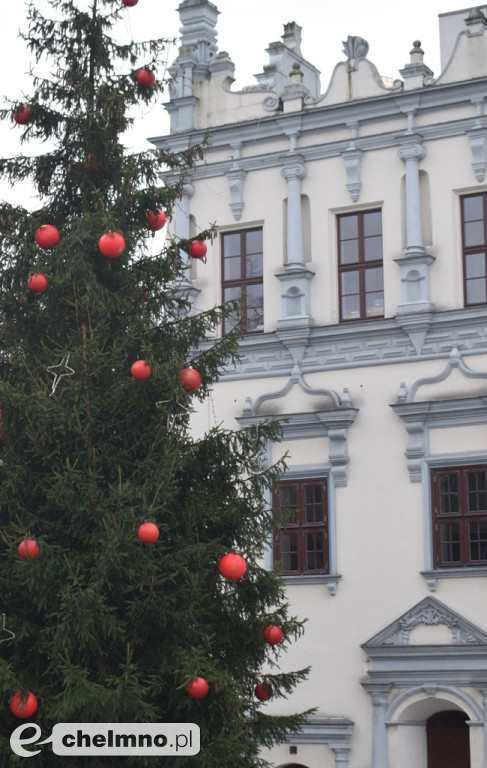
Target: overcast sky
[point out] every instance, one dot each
(245, 29)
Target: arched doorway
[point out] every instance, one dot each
(447, 739)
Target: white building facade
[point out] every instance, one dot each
(352, 224)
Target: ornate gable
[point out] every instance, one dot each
(430, 612)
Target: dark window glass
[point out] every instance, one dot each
(301, 540)
(242, 270)
(360, 265)
(460, 516)
(474, 248)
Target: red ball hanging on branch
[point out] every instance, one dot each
(197, 249)
(37, 283)
(190, 379)
(23, 706)
(47, 236)
(273, 634)
(145, 77)
(198, 688)
(232, 566)
(129, 3)
(155, 219)
(148, 532)
(111, 245)
(91, 163)
(28, 548)
(263, 691)
(22, 115)
(141, 370)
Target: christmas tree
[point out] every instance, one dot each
(131, 557)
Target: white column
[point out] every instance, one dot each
(294, 170)
(415, 263)
(379, 696)
(182, 230)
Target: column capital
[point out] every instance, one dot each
(293, 167)
(188, 190)
(411, 147)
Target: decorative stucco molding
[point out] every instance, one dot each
(335, 732)
(433, 414)
(478, 147)
(235, 178)
(454, 361)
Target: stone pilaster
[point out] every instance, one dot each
(415, 263)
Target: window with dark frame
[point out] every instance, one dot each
(460, 516)
(360, 269)
(242, 271)
(474, 248)
(301, 540)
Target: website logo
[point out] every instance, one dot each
(120, 739)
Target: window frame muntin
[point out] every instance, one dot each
(302, 528)
(361, 265)
(464, 518)
(241, 283)
(466, 250)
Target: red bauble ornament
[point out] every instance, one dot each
(22, 115)
(155, 219)
(263, 691)
(129, 3)
(197, 249)
(141, 370)
(28, 548)
(92, 164)
(190, 379)
(148, 533)
(198, 688)
(145, 78)
(47, 236)
(37, 283)
(232, 566)
(111, 245)
(23, 707)
(273, 634)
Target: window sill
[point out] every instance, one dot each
(466, 572)
(331, 580)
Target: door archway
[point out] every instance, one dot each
(447, 739)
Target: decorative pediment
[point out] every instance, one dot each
(429, 612)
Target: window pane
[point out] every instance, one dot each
(231, 244)
(473, 208)
(477, 497)
(253, 265)
(474, 265)
(349, 252)
(374, 295)
(372, 223)
(289, 551)
(288, 503)
(449, 493)
(374, 279)
(255, 307)
(314, 551)
(373, 248)
(476, 291)
(253, 241)
(348, 227)
(233, 319)
(232, 268)
(350, 283)
(313, 503)
(350, 307)
(450, 542)
(478, 540)
(474, 233)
